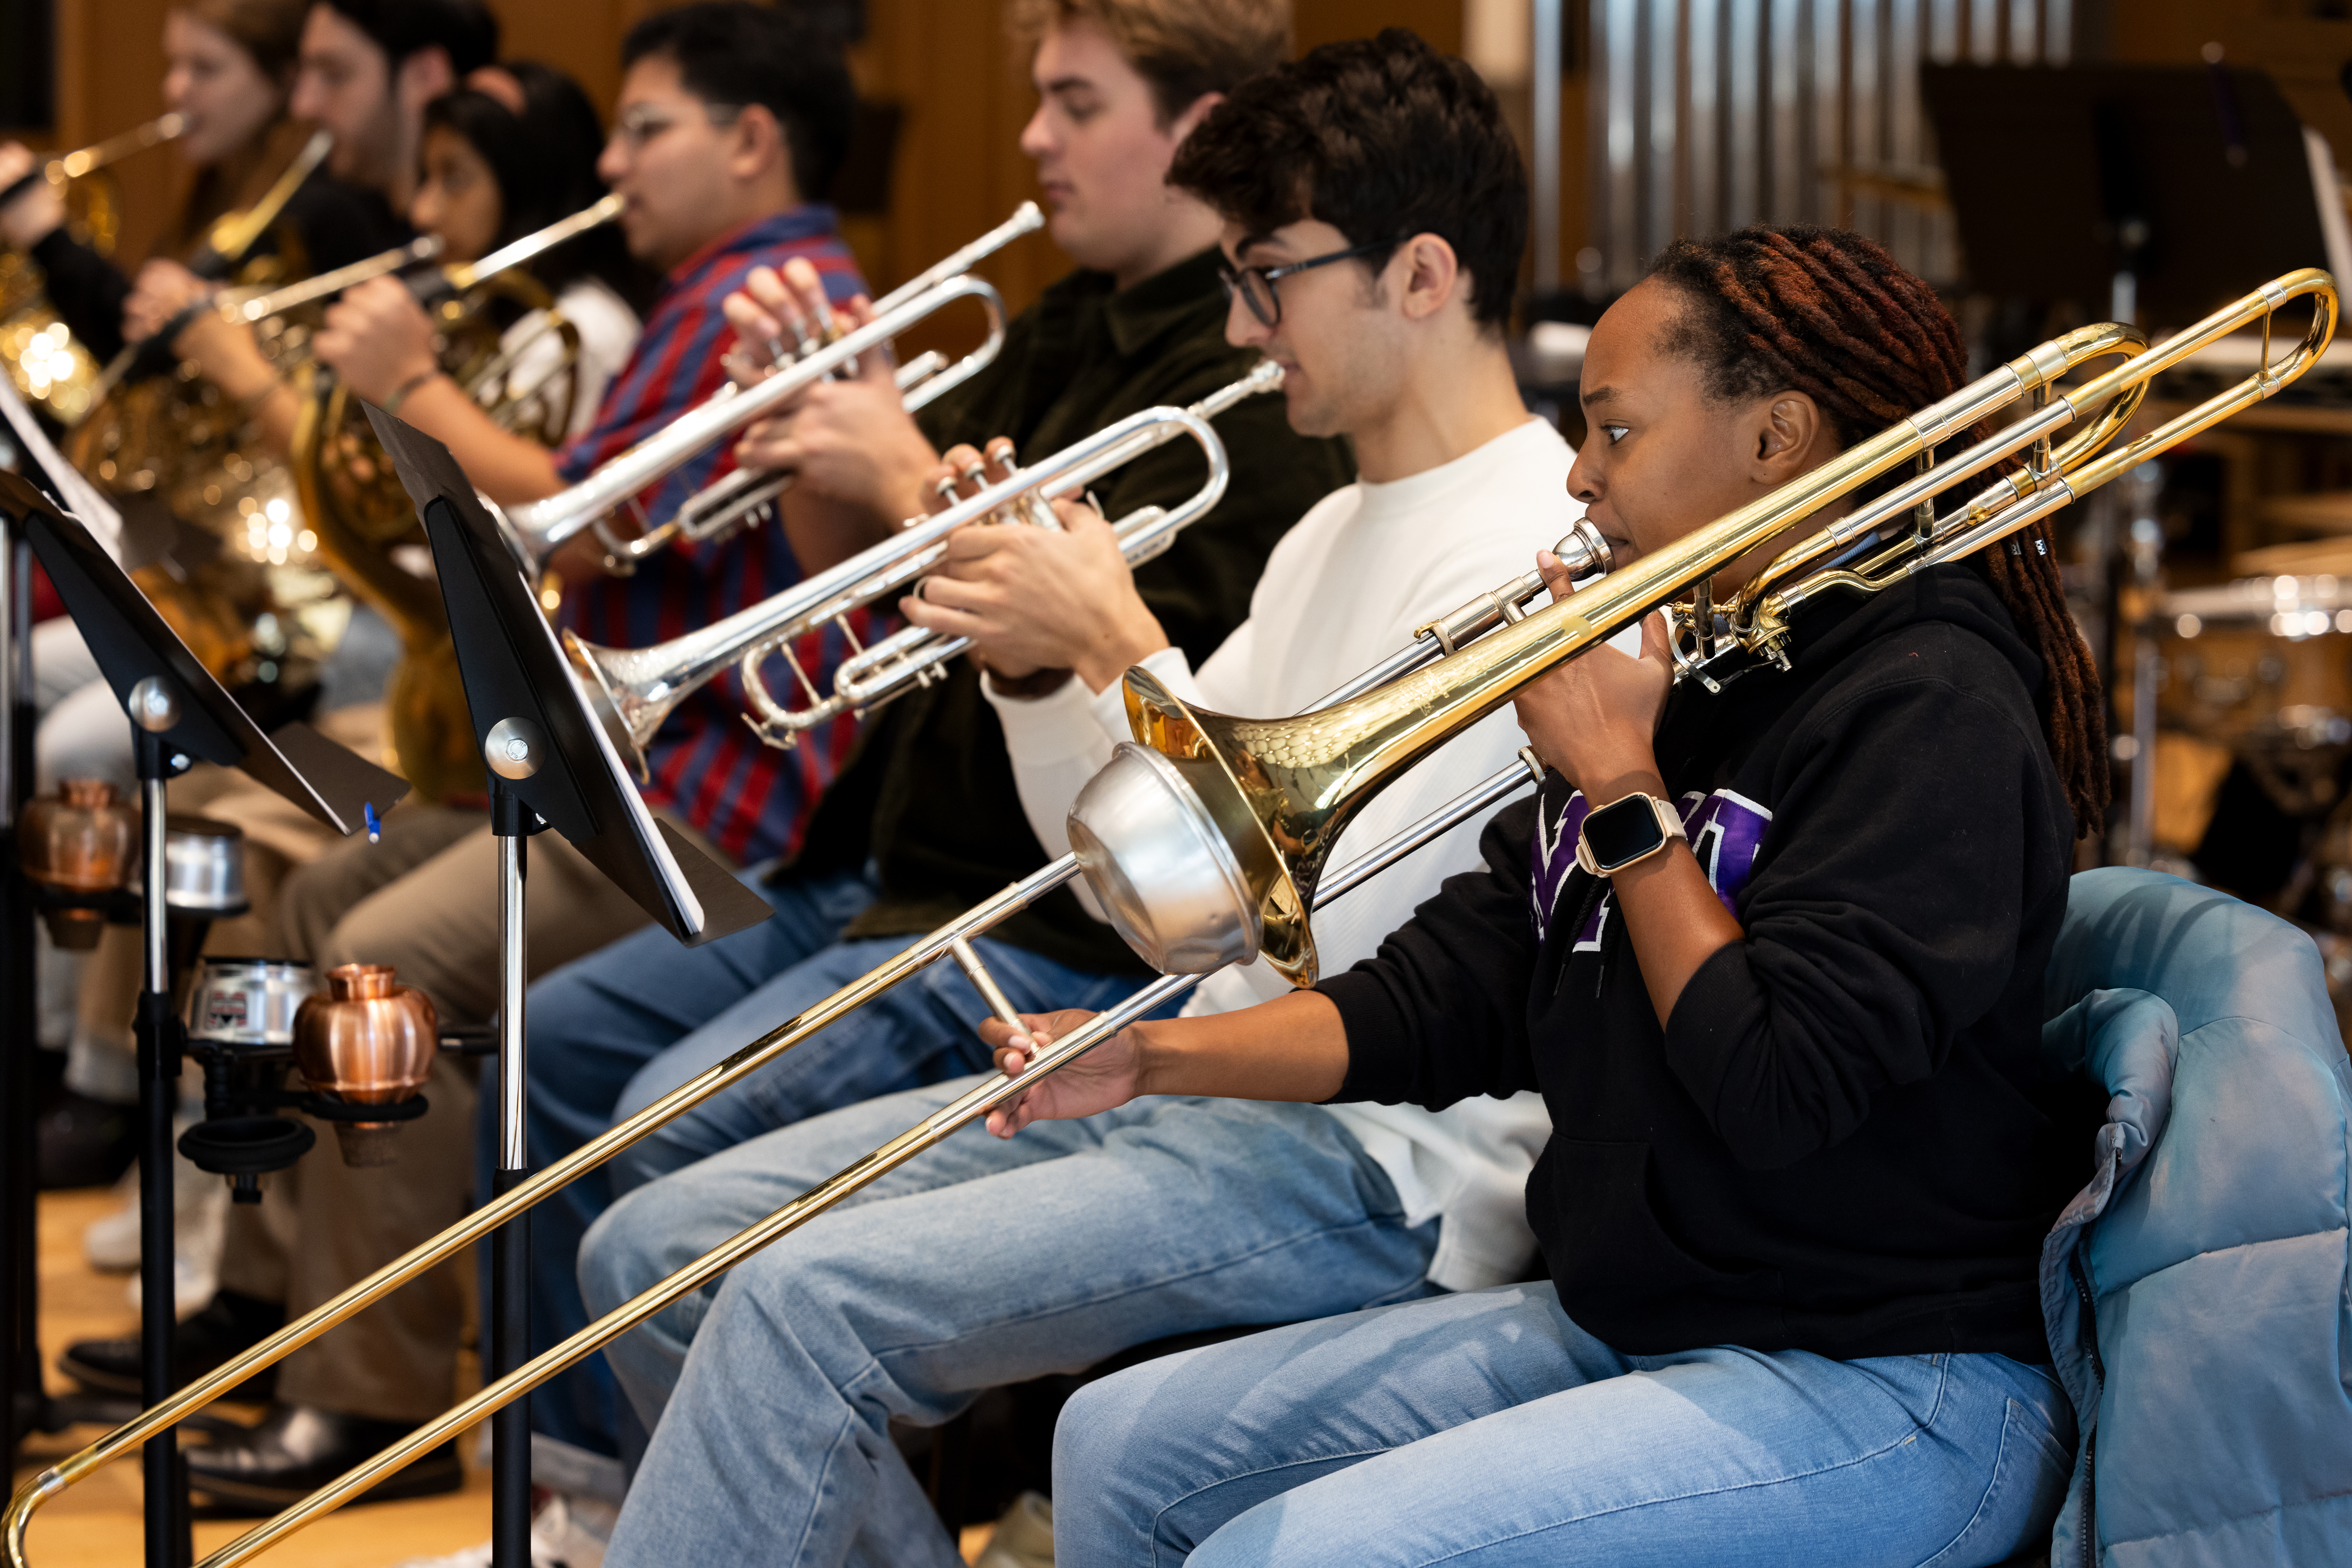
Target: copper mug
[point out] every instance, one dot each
(80, 840)
(370, 1041)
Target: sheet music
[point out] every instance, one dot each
(54, 474)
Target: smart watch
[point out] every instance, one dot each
(1625, 832)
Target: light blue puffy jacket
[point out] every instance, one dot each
(2214, 1391)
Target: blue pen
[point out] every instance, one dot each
(374, 823)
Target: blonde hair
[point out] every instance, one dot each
(1183, 48)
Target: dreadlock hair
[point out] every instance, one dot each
(1829, 313)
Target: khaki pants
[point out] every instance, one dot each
(425, 901)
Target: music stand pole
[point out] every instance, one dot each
(171, 1542)
(511, 754)
(550, 766)
(23, 1406)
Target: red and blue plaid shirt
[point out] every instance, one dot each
(750, 799)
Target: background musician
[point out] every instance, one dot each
(1806, 1150)
(1387, 305)
(726, 112)
(229, 68)
(463, 197)
(929, 799)
(498, 167)
(511, 151)
(368, 70)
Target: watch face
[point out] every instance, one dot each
(1622, 830)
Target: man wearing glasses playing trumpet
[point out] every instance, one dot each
(987, 1261)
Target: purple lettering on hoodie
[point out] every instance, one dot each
(1726, 829)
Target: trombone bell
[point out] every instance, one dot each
(1204, 842)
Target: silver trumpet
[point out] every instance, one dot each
(537, 531)
(633, 689)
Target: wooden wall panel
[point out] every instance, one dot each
(110, 77)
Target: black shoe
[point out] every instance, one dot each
(231, 1325)
(83, 1143)
(298, 1448)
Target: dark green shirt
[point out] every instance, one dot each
(929, 793)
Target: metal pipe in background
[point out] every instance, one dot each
(1546, 172)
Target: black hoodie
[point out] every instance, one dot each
(1842, 1141)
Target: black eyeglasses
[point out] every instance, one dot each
(1255, 284)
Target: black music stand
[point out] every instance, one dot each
(23, 1407)
(178, 712)
(2193, 181)
(551, 766)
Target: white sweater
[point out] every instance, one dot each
(1343, 589)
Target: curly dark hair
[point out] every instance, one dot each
(1381, 138)
(1829, 313)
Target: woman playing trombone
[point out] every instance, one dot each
(1774, 955)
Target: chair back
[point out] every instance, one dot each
(2215, 1381)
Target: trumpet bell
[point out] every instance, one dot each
(628, 715)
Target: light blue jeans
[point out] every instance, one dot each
(1488, 1429)
(980, 1262)
(612, 1032)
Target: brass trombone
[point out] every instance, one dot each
(1262, 801)
(633, 689)
(535, 531)
(1449, 683)
(1583, 550)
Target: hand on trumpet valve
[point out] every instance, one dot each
(1594, 719)
(1105, 1078)
(1035, 600)
(782, 314)
(378, 339)
(34, 213)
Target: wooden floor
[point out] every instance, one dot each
(96, 1524)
